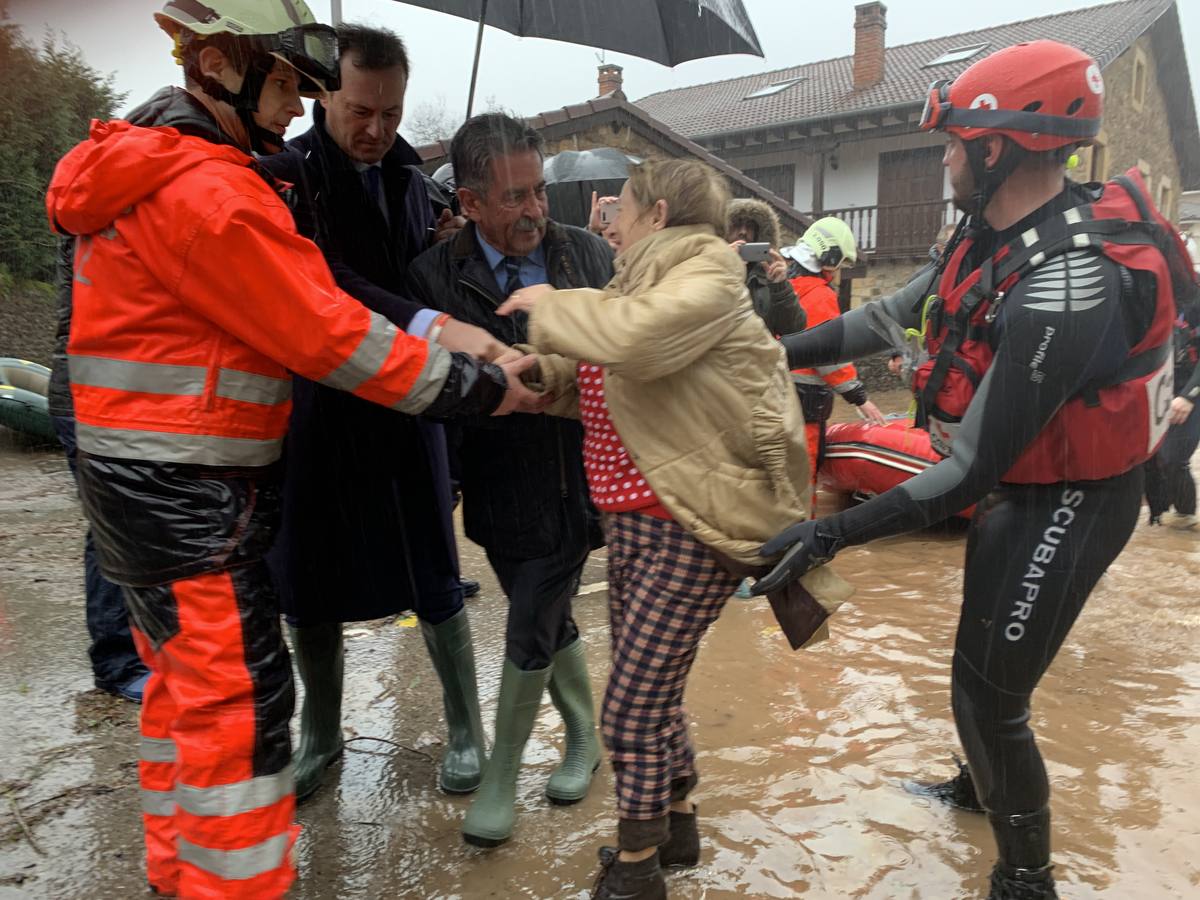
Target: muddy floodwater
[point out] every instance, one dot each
(802, 755)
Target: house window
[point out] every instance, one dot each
(1164, 196)
(1099, 162)
(772, 89)
(958, 54)
(1139, 79)
(779, 180)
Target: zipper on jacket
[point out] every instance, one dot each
(480, 291)
(565, 264)
(514, 337)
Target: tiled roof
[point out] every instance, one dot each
(827, 90)
(581, 117)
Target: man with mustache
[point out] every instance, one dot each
(525, 496)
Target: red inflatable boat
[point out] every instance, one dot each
(866, 459)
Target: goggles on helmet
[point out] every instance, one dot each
(311, 49)
(937, 106)
(940, 113)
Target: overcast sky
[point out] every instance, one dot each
(529, 75)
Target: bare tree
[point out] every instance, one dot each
(430, 121)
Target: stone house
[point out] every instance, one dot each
(840, 137)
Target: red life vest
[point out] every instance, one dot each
(1106, 429)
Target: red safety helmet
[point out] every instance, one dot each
(1042, 95)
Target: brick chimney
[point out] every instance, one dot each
(870, 22)
(610, 80)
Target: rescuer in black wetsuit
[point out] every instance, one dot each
(1048, 367)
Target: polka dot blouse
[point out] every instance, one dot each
(616, 484)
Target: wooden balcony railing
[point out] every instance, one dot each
(902, 229)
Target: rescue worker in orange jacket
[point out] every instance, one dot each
(826, 246)
(193, 298)
(1048, 384)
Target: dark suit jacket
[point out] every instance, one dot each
(524, 488)
(366, 514)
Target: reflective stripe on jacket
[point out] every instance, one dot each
(194, 296)
(820, 304)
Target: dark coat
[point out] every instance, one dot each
(366, 501)
(523, 481)
(775, 302)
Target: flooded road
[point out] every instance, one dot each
(802, 755)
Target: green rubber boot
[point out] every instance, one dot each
(489, 821)
(453, 654)
(571, 691)
(320, 659)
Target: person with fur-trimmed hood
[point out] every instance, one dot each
(753, 221)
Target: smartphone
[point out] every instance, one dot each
(755, 252)
(608, 213)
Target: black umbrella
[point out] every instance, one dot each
(599, 164)
(666, 31)
(572, 175)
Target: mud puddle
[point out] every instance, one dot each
(802, 755)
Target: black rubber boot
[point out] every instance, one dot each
(319, 657)
(958, 792)
(682, 848)
(642, 880)
(1022, 884)
(1023, 870)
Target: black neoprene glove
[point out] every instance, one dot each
(804, 545)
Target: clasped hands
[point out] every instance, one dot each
(461, 337)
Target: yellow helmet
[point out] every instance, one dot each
(285, 29)
(832, 243)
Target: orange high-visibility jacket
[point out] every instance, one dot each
(194, 296)
(820, 304)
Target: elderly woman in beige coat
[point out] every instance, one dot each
(694, 449)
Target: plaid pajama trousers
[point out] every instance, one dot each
(665, 589)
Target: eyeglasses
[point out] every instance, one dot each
(517, 199)
(937, 106)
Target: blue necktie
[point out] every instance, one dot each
(373, 181)
(512, 273)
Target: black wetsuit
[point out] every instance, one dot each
(1034, 552)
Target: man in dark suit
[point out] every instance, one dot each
(367, 528)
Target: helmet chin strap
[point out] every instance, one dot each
(988, 181)
(245, 101)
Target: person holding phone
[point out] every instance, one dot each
(752, 229)
(603, 219)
